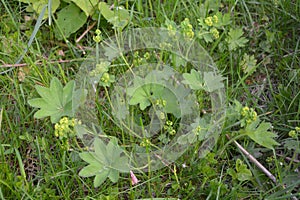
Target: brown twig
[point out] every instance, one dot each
(252, 159)
(85, 32)
(288, 158)
(37, 63)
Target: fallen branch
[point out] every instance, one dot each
(252, 159)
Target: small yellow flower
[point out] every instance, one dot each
(215, 19)
(293, 134)
(208, 21)
(215, 33)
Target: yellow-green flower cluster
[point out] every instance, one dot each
(169, 127)
(105, 77)
(100, 68)
(187, 28)
(64, 130)
(294, 133)
(171, 27)
(145, 143)
(214, 32)
(248, 114)
(97, 38)
(211, 20)
(197, 130)
(65, 127)
(161, 102)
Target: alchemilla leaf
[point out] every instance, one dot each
(55, 101)
(260, 134)
(212, 82)
(235, 39)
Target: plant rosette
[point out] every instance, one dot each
(155, 103)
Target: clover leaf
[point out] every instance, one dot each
(55, 101)
(105, 162)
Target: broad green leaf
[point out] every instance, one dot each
(113, 150)
(108, 164)
(113, 175)
(100, 151)
(44, 113)
(243, 174)
(88, 157)
(212, 82)
(88, 6)
(52, 102)
(235, 39)
(45, 93)
(105, 11)
(260, 134)
(56, 90)
(193, 79)
(91, 170)
(69, 20)
(68, 92)
(248, 64)
(54, 118)
(101, 177)
(39, 103)
(172, 106)
(79, 97)
(38, 5)
(119, 17)
(121, 164)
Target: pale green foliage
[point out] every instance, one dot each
(241, 172)
(38, 6)
(210, 82)
(105, 161)
(88, 6)
(259, 133)
(235, 39)
(67, 24)
(55, 101)
(118, 18)
(248, 64)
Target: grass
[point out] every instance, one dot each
(34, 165)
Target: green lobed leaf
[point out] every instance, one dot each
(121, 164)
(113, 175)
(118, 17)
(113, 150)
(193, 79)
(88, 157)
(260, 134)
(88, 6)
(101, 177)
(68, 91)
(91, 170)
(45, 93)
(69, 20)
(100, 151)
(235, 39)
(56, 90)
(243, 174)
(39, 103)
(212, 82)
(39, 5)
(44, 113)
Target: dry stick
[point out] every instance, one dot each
(288, 158)
(37, 63)
(260, 166)
(85, 32)
(252, 159)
